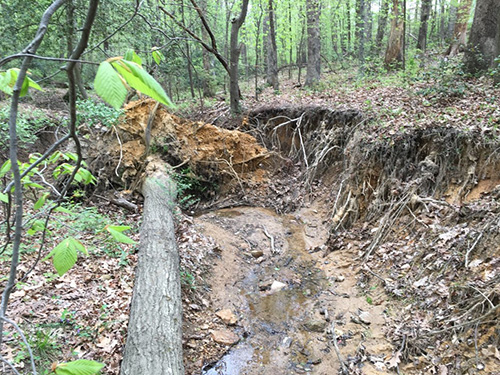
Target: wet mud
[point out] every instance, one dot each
(288, 298)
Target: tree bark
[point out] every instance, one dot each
(394, 52)
(234, 90)
(272, 53)
(361, 35)
(313, 43)
(154, 339)
(424, 18)
(484, 42)
(459, 38)
(382, 22)
(452, 19)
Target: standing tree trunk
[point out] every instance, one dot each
(452, 19)
(459, 38)
(234, 90)
(394, 52)
(313, 43)
(484, 42)
(424, 18)
(206, 85)
(70, 24)
(188, 56)
(361, 35)
(382, 22)
(348, 17)
(154, 339)
(272, 53)
(258, 21)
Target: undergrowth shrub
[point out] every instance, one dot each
(91, 112)
(447, 80)
(28, 125)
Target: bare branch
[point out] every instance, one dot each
(18, 193)
(215, 52)
(37, 57)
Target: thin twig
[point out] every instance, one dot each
(271, 238)
(337, 351)
(121, 151)
(2, 359)
(490, 312)
(20, 331)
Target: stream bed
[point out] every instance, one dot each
(272, 275)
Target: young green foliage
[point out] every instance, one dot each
(65, 254)
(116, 233)
(79, 367)
(8, 80)
(115, 75)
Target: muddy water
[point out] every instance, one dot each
(282, 331)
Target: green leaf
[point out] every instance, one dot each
(109, 85)
(86, 176)
(8, 81)
(37, 226)
(65, 254)
(119, 228)
(120, 237)
(79, 367)
(4, 197)
(34, 84)
(63, 210)
(130, 55)
(5, 168)
(158, 56)
(33, 185)
(41, 201)
(140, 80)
(24, 87)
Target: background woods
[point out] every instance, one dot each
(198, 39)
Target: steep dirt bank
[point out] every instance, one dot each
(385, 243)
(407, 230)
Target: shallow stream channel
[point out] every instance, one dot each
(284, 303)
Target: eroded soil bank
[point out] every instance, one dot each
(322, 237)
(390, 264)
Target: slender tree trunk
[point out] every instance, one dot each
(272, 54)
(154, 338)
(188, 56)
(452, 19)
(257, 50)
(359, 24)
(348, 16)
(206, 84)
(442, 31)
(234, 90)
(70, 27)
(313, 43)
(424, 18)
(460, 31)
(382, 22)
(369, 25)
(484, 42)
(361, 35)
(394, 52)
(300, 52)
(291, 39)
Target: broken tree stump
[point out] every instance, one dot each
(154, 339)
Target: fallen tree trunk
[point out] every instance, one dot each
(154, 340)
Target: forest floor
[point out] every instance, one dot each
(358, 229)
